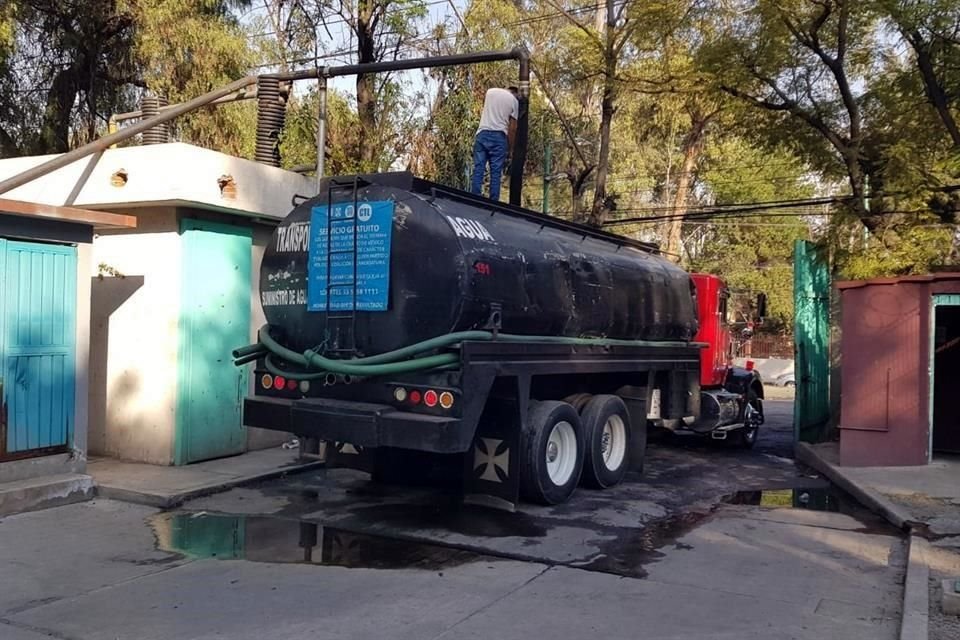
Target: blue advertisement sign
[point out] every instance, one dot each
(374, 228)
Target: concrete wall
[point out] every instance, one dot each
(134, 343)
(135, 335)
(172, 174)
(81, 423)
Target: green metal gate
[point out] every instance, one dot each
(811, 335)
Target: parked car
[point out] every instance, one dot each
(785, 380)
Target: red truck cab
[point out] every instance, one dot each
(712, 307)
(731, 396)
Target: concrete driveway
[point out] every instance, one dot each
(709, 543)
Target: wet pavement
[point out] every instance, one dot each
(686, 481)
(709, 542)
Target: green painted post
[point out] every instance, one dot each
(811, 296)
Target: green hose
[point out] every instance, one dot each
(291, 375)
(389, 368)
(402, 360)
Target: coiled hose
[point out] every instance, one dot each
(404, 360)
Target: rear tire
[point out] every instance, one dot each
(578, 401)
(552, 452)
(606, 429)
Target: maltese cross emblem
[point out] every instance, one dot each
(492, 459)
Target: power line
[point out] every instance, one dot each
(329, 23)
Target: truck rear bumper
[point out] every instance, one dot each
(359, 423)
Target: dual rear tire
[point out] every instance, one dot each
(562, 447)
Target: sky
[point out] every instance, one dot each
(438, 12)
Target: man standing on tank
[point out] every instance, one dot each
(494, 140)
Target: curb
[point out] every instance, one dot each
(44, 492)
(915, 620)
(869, 498)
(171, 500)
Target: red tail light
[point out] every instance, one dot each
(279, 382)
(430, 398)
(414, 397)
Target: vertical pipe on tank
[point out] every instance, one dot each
(321, 128)
(520, 146)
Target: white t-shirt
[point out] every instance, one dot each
(499, 106)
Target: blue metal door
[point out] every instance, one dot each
(38, 300)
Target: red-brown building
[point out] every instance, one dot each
(900, 369)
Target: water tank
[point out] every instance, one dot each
(413, 260)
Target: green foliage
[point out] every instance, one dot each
(66, 66)
(298, 145)
(185, 48)
(753, 252)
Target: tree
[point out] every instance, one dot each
(373, 30)
(184, 48)
(801, 61)
(932, 29)
(69, 65)
(602, 45)
(752, 252)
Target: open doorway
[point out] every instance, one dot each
(945, 422)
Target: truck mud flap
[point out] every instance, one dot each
(492, 466)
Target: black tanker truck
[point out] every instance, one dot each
(412, 326)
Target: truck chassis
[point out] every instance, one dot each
(500, 391)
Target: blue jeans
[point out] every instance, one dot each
(489, 146)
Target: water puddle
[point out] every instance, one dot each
(627, 555)
(814, 499)
(477, 534)
(277, 540)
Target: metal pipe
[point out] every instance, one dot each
(124, 134)
(249, 93)
(429, 61)
(517, 53)
(321, 131)
(523, 126)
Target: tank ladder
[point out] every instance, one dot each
(340, 329)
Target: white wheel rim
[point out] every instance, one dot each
(613, 442)
(561, 453)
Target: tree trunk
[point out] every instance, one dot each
(692, 147)
(366, 92)
(601, 209)
(935, 91)
(55, 131)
